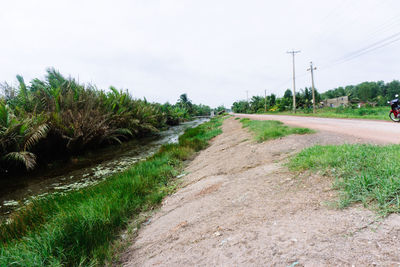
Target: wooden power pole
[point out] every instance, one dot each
(311, 69)
(294, 79)
(265, 101)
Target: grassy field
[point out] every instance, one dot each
(364, 173)
(77, 228)
(376, 113)
(265, 130)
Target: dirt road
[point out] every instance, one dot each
(240, 206)
(381, 131)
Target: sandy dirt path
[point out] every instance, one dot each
(240, 206)
(381, 131)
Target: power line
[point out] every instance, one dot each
(346, 23)
(377, 45)
(360, 51)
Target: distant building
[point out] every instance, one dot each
(341, 101)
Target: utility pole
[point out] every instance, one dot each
(312, 83)
(247, 95)
(294, 79)
(265, 101)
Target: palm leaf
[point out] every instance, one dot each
(40, 132)
(28, 159)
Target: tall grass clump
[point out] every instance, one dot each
(266, 130)
(364, 173)
(77, 228)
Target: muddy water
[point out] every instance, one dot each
(84, 171)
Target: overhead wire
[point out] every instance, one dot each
(376, 45)
(388, 25)
(368, 48)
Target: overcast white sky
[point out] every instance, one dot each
(213, 50)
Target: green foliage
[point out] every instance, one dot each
(266, 130)
(241, 106)
(198, 137)
(376, 113)
(77, 228)
(368, 92)
(364, 173)
(378, 92)
(220, 110)
(258, 104)
(69, 117)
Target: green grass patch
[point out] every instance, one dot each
(78, 228)
(371, 113)
(364, 173)
(266, 130)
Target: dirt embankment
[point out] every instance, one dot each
(240, 206)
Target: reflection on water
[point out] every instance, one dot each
(82, 172)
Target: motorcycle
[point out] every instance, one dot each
(394, 113)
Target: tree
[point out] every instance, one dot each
(241, 106)
(272, 100)
(256, 104)
(184, 102)
(392, 89)
(288, 94)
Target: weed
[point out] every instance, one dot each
(266, 130)
(364, 173)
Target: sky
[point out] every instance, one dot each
(213, 50)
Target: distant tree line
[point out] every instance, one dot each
(184, 109)
(259, 104)
(377, 93)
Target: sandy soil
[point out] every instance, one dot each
(240, 206)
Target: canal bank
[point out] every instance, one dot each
(83, 171)
(77, 228)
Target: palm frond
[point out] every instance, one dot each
(28, 159)
(39, 133)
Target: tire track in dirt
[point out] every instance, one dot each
(240, 206)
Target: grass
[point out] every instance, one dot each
(79, 227)
(266, 130)
(376, 113)
(364, 174)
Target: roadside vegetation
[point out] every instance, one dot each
(59, 117)
(372, 113)
(77, 228)
(372, 98)
(364, 174)
(266, 130)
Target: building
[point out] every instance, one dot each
(341, 101)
